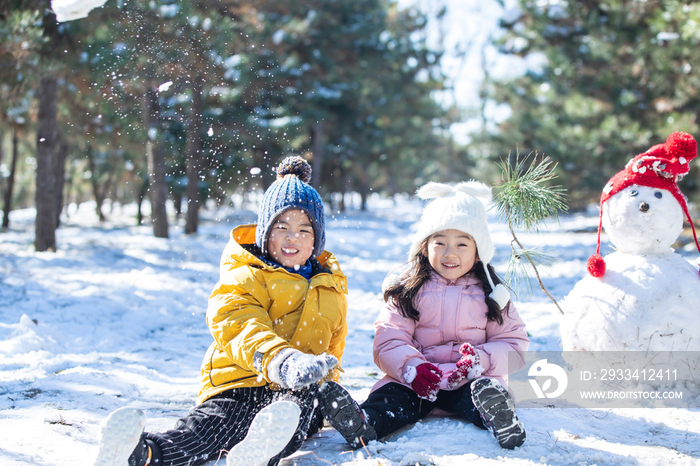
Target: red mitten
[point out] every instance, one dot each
(424, 380)
(467, 368)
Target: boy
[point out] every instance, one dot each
(278, 318)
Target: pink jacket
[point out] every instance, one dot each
(451, 313)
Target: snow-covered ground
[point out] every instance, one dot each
(116, 318)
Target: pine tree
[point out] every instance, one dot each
(616, 78)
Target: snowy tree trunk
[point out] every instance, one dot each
(96, 191)
(317, 162)
(141, 195)
(363, 181)
(68, 192)
(194, 144)
(2, 153)
(45, 200)
(391, 182)
(156, 171)
(10, 181)
(177, 203)
(158, 192)
(59, 170)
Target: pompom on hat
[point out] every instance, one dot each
(459, 207)
(291, 191)
(661, 167)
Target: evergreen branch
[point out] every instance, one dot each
(524, 201)
(526, 196)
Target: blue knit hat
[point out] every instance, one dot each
(292, 191)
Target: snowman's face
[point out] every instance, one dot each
(643, 220)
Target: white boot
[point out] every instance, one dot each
(120, 432)
(270, 431)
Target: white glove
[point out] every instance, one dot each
(299, 369)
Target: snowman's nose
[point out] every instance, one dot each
(643, 206)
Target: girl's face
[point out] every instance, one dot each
(451, 253)
(291, 240)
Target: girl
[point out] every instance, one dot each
(443, 339)
(278, 321)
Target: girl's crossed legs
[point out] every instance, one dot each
(393, 406)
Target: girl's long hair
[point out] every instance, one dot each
(403, 293)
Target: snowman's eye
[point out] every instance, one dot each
(633, 193)
(658, 195)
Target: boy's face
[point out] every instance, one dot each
(451, 253)
(291, 240)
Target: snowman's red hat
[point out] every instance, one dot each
(660, 167)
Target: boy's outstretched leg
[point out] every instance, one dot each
(498, 412)
(121, 442)
(272, 429)
(345, 415)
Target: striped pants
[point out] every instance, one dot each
(217, 425)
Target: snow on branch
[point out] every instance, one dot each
(68, 10)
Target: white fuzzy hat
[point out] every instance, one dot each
(459, 207)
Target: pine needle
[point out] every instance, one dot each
(519, 274)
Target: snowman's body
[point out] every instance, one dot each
(642, 303)
(649, 297)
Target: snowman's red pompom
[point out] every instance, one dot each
(596, 265)
(681, 145)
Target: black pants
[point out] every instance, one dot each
(393, 406)
(223, 421)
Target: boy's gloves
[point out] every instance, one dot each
(301, 369)
(467, 368)
(424, 380)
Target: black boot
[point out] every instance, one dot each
(498, 412)
(345, 415)
(146, 453)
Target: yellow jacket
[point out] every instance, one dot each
(257, 310)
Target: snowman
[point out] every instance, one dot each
(643, 296)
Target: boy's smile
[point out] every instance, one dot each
(291, 241)
(451, 253)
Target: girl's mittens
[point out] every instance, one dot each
(425, 380)
(467, 368)
(299, 370)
